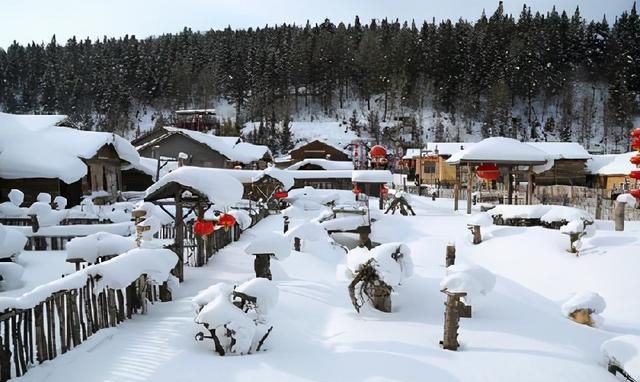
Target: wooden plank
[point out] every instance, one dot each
(42, 348)
(57, 300)
(14, 342)
(5, 356)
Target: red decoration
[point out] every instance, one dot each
(635, 144)
(378, 151)
(281, 195)
(203, 227)
(356, 190)
(488, 171)
(227, 221)
(635, 193)
(384, 191)
(635, 160)
(635, 174)
(635, 133)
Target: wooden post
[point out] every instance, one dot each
(456, 189)
(296, 243)
(598, 213)
(178, 271)
(451, 320)
(262, 265)
(450, 257)
(285, 227)
(530, 185)
(469, 187)
(363, 234)
(618, 215)
(475, 231)
(509, 186)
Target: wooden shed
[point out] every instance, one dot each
(569, 164)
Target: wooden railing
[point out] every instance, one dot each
(64, 320)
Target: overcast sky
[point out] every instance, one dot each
(37, 20)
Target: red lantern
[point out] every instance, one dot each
(635, 160)
(281, 195)
(488, 171)
(356, 190)
(203, 227)
(384, 191)
(635, 144)
(635, 133)
(635, 193)
(635, 174)
(378, 151)
(227, 221)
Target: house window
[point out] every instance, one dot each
(429, 168)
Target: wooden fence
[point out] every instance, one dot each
(65, 319)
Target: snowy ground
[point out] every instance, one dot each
(517, 332)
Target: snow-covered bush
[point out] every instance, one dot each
(236, 320)
(472, 279)
(11, 276)
(376, 272)
(584, 308)
(12, 241)
(576, 229)
(623, 352)
(89, 248)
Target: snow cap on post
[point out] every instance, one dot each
(16, 197)
(270, 243)
(584, 300)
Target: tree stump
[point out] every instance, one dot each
(262, 265)
(475, 231)
(573, 237)
(450, 257)
(363, 234)
(618, 215)
(582, 316)
(296, 244)
(380, 294)
(285, 226)
(451, 319)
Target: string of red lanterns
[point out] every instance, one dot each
(204, 228)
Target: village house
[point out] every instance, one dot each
(610, 172)
(430, 164)
(39, 154)
(203, 149)
(320, 150)
(569, 164)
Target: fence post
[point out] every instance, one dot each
(618, 214)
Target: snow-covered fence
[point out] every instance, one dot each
(55, 238)
(56, 317)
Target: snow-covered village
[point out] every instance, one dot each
(343, 191)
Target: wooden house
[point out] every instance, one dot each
(320, 150)
(610, 172)
(204, 149)
(196, 119)
(323, 179)
(569, 164)
(430, 164)
(38, 154)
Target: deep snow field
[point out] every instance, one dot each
(517, 332)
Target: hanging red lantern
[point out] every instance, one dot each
(378, 151)
(281, 195)
(203, 227)
(635, 174)
(384, 191)
(488, 171)
(635, 133)
(356, 190)
(635, 144)
(635, 160)
(227, 221)
(635, 193)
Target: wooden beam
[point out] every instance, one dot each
(469, 187)
(179, 239)
(530, 185)
(509, 186)
(456, 189)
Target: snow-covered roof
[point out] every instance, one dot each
(221, 189)
(228, 146)
(149, 166)
(611, 164)
(372, 176)
(324, 163)
(336, 144)
(33, 146)
(500, 150)
(321, 174)
(444, 149)
(562, 150)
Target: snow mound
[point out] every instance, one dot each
(221, 314)
(310, 194)
(265, 292)
(562, 213)
(482, 219)
(205, 296)
(584, 300)
(89, 248)
(12, 241)
(272, 243)
(472, 279)
(519, 212)
(623, 351)
(627, 198)
(11, 276)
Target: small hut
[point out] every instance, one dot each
(508, 156)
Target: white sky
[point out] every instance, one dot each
(37, 20)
